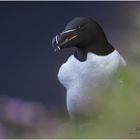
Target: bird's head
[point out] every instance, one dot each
(83, 33)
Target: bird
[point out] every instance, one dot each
(90, 69)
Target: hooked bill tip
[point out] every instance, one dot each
(57, 49)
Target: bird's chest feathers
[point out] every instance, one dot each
(86, 82)
(88, 74)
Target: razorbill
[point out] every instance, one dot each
(90, 69)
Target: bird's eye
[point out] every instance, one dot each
(79, 27)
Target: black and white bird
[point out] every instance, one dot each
(90, 69)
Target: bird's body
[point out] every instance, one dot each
(90, 70)
(85, 81)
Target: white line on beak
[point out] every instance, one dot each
(56, 39)
(71, 30)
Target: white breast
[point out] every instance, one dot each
(84, 80)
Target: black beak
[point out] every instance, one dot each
(64, 39)
(56, 43)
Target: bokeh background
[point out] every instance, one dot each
(31, 97)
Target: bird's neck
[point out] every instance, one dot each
(81, 52)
